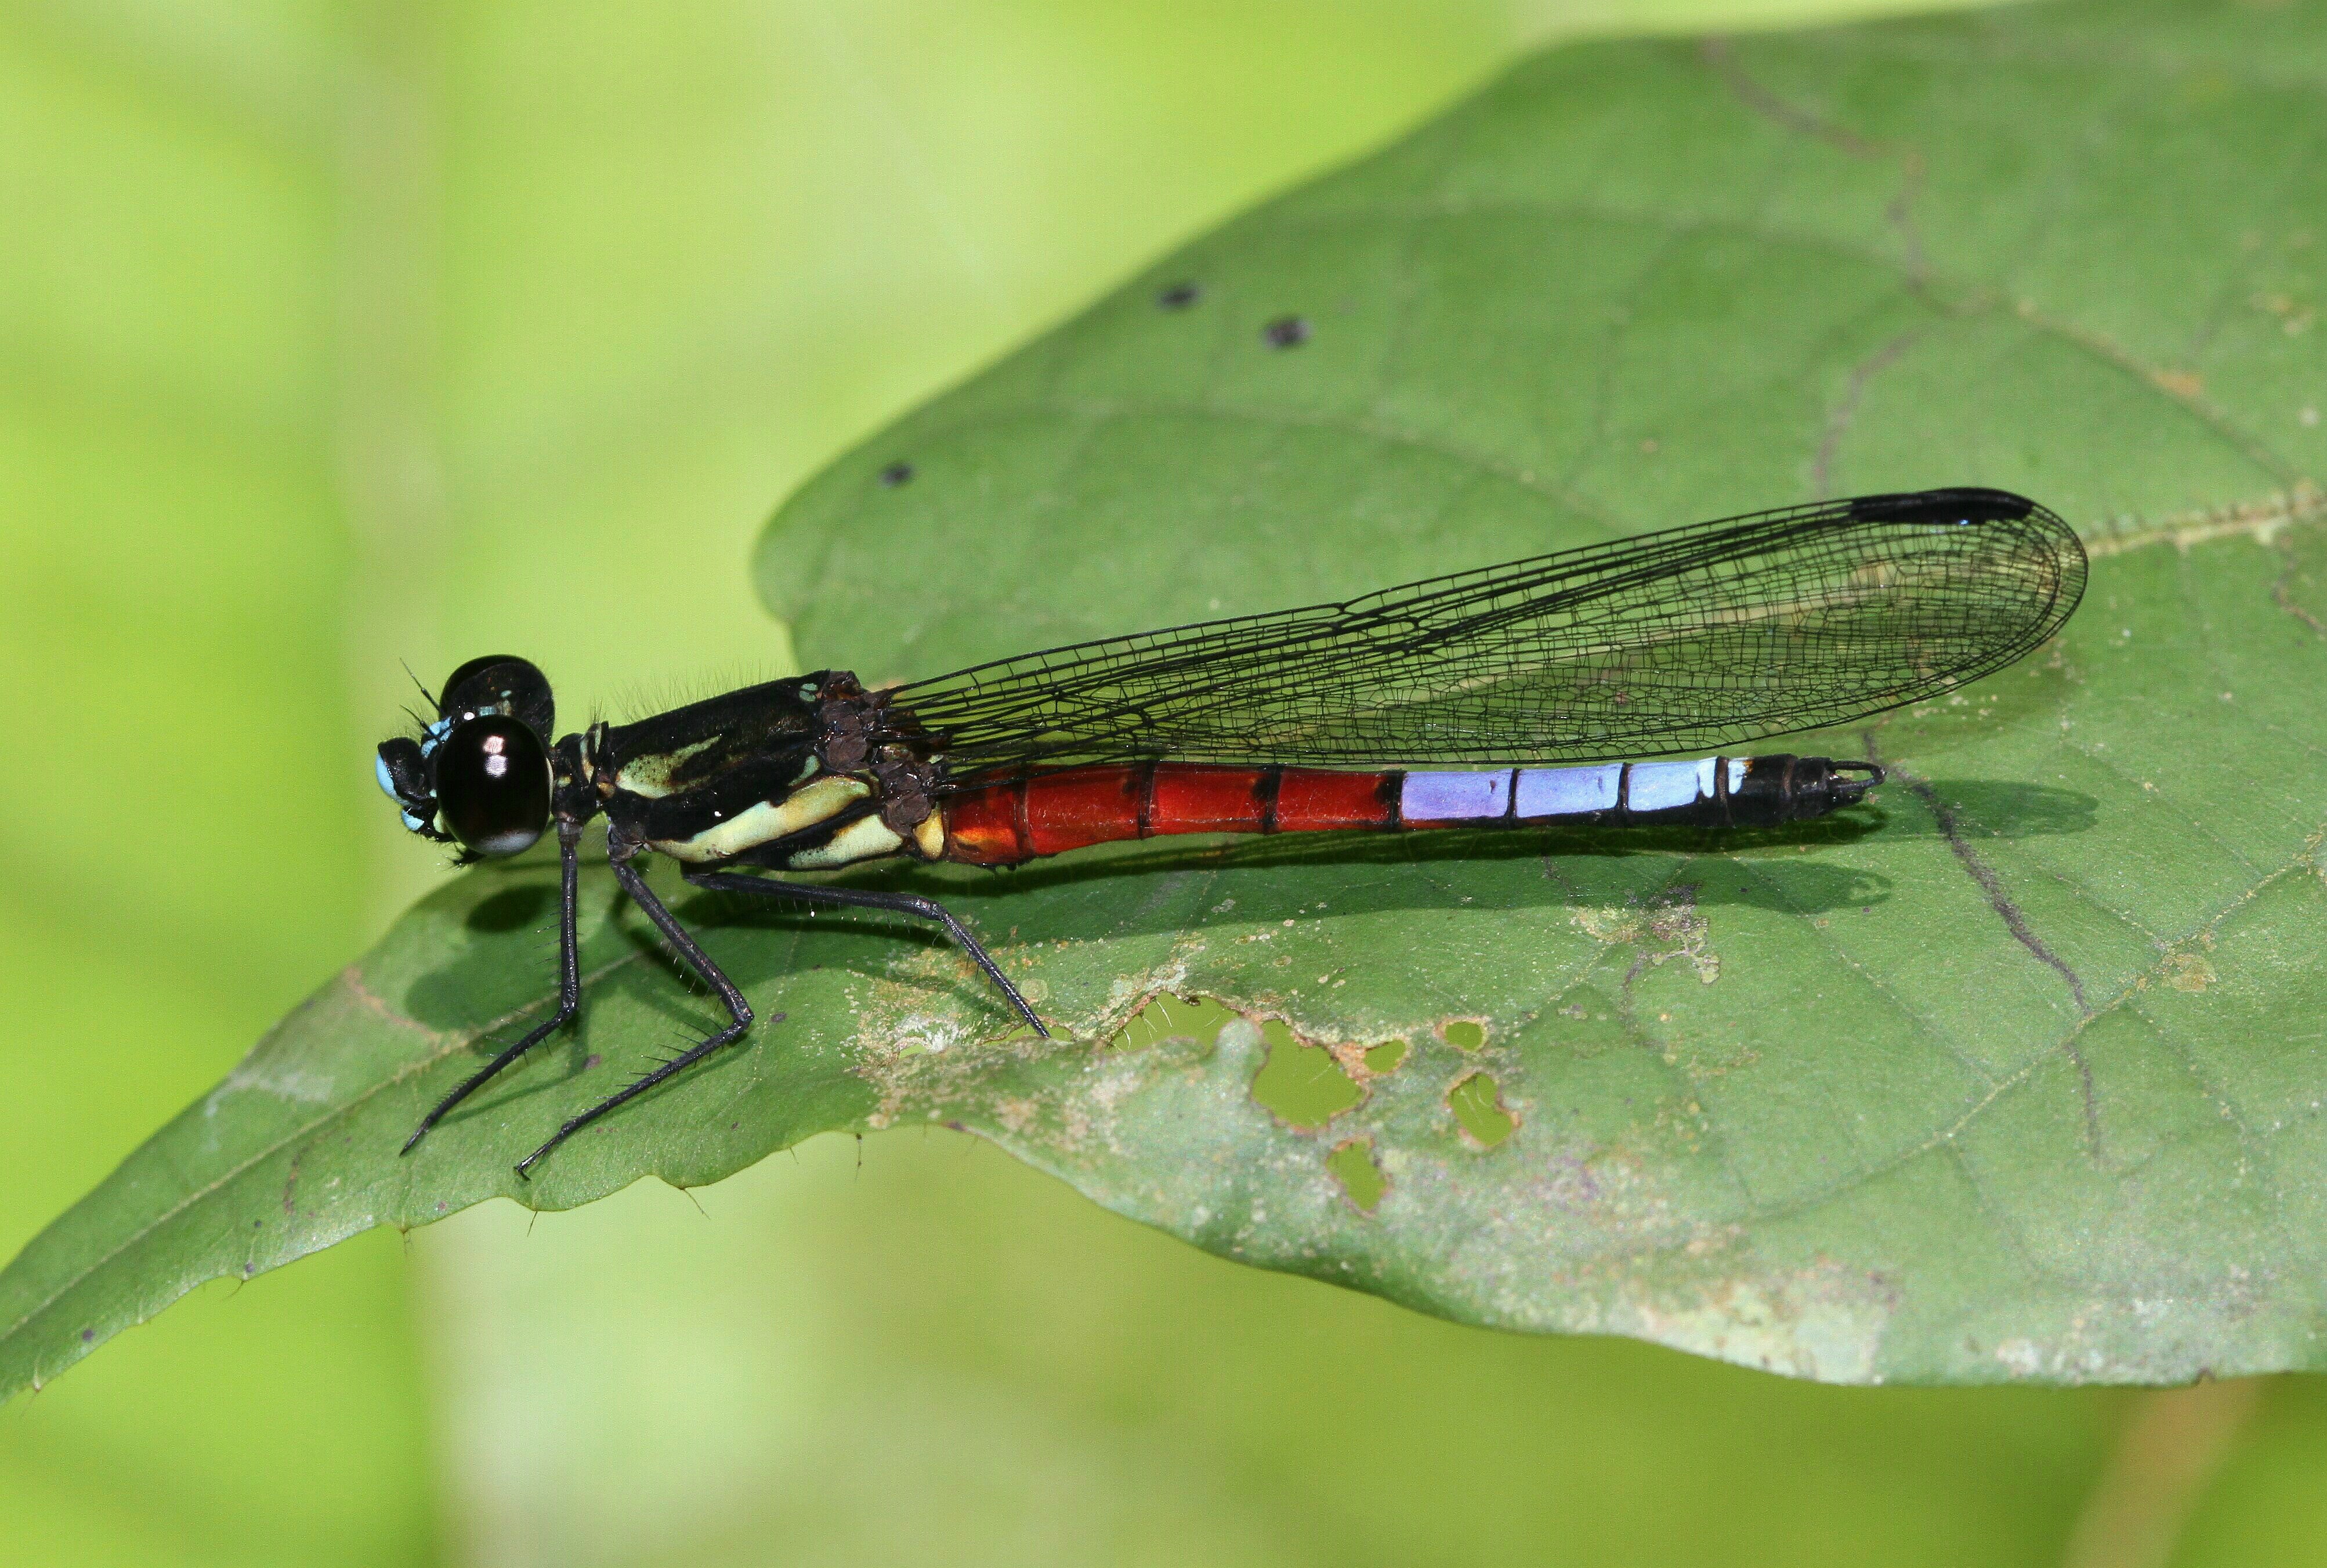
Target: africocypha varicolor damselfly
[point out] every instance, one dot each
(1299, 722)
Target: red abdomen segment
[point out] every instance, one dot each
(1018, 819)
(1050, 813)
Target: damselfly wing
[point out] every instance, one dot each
(1547, 684)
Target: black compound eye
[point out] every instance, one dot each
(492, 785)
(502, 683)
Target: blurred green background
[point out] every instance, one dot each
(337, 336)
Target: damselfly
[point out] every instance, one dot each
(1686, 641)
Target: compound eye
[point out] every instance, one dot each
(492, 785)
(501, 683)
(403, 775)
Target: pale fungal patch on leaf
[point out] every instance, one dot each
(2020, 1358)
(2188, 970)
(1129, 993)
(920, 1061)
(285, 1064)
(1825, 1322)
(920, 974)
(283, 1081)
(2114, 1341)
(1666, 927)
(909, 1075)
(1059, 1093)
(926, 1034)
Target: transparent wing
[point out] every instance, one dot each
(1686, 640)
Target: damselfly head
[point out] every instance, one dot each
(479, 774)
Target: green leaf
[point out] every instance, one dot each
(2013, 1077)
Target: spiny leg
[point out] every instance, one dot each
(862, 898)
(569, 989)
(697, 961)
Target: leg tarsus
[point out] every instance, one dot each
(485, 1074)
(645, 1081)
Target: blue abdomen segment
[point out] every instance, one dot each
(1455, 796)
(1709, 792)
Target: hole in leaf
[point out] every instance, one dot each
(1300, 1085)
(1352, 1165)
(895, 474)
(1384, 1056)
(1174, 1018)
(1478, 1107)
(1464, 1034)
(1285, 332)
(1180, 296)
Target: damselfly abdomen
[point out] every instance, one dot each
(1303, 721)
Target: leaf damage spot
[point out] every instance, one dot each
(1301, 1085)
(1464, 1034)
(1285, 332)
(1168, 1017)
(1180, 295)
(1478, 1106)
(1351, 1163)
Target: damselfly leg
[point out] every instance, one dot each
(866, 898)
(738, 1010)
(569, 987)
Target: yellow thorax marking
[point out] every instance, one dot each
(866, 838)
(651, 775)
(928, 836)
(770, 819)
